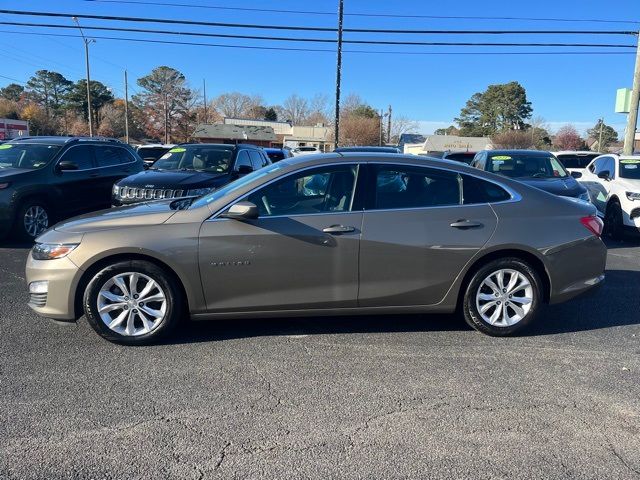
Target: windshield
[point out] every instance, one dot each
(213, 159)
(28, 156)
(572, 160)
(630, 168)
(523, 165)
(238, 184)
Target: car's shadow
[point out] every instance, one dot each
(614, 304)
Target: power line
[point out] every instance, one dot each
(319, 40)
(13, 79)
(362, 14)
(326, 50)
(315, 29)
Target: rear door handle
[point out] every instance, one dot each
(463, 223)
(338, 229)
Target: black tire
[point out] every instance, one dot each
(27, 208)
(469, 304)
(613, 225)
(173, 311)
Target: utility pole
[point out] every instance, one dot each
(204, 94)
(166, 118)
(632, 119)
(126, 108)
(380, 118)
(338, 72)
(600, 136)
(87, 41)
(389, 126)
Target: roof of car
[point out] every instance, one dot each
(532, 153)
(62, 140)
(575, 152)
(372, 149)
(230, 146)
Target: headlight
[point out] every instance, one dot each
(199, 192)
(584, 197)
(50, 251)
(116, 190)
(633, 195)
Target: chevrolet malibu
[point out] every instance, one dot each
(330, 234)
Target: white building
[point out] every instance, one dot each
(448, 143)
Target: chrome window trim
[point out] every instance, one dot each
(239, 199)
(515, 196)
(93, 168)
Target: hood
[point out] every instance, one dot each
(629, 184)
(565, 187)
(174, 179)
(5, 173)
(140, 214)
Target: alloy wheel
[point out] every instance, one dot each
(504, 298)
(131, 304)
(35, 220)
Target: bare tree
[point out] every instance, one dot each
(235, 104)
(319, 110)
(401, 124)
(295, 109)
(518, 139)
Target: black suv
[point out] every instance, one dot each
(45, 179)
(190, 170)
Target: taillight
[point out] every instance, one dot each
(593, 224)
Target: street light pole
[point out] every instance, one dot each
(338, 72)
(632, 119)
(126, 107)
(87, 41)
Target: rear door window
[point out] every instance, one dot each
(401, 186)
(81, 156)
(110, 156)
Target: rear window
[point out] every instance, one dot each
(276, 156)
(464, 157)
(475, 190)
(576, 161)
(152, 153)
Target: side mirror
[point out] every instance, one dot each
(242, 211)
(146, 166)
(576, 174)
(66, 165)
(605, 175)
(244, 169)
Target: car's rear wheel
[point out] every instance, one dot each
(33, 218)
(613, 225)
(502, 297)
(132, 302)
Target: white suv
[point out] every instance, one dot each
(613, 182)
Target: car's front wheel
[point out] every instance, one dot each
(613, 224)
(502, 297)
(33, 218)
(132, 302)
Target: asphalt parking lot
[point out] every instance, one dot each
(365, 397)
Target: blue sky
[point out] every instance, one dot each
(431, 89)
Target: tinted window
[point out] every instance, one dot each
(600, 165)
(256, 159)
(576, 161)
(110, 156)
(206, 158)
(630, 168)
(519, 165)
(414, 187)
(243, 159)
(81, 155)
(475, 190)
(464, 157)
(326, 189)
(276, 156)
(26, 155)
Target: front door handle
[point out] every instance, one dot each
(338, 229)
(463, 223)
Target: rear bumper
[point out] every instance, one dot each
(575, 268)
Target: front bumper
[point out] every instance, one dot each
(62, 277)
